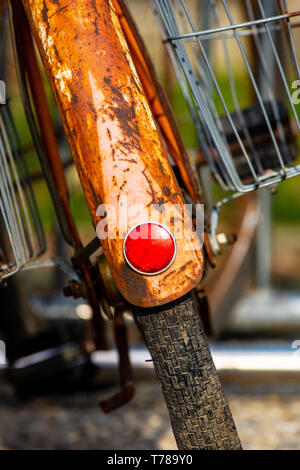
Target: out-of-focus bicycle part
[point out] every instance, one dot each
(44, 354)
(158, 101)
(105, 89)
(225, 283)
(30, 83)
(22, 239)
(111, 298)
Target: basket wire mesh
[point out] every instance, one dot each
(22, 237)
(246, 147)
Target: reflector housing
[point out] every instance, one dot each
(149, 248)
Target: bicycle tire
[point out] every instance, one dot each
(199, 413)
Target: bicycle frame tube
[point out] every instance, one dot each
(114, 141)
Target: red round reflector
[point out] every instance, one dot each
(149, 248)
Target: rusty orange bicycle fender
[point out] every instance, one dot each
(114, 140)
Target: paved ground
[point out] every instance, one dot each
(266, 420)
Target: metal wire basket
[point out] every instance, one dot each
(21, 233)
(22, 237)
(238, 68)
